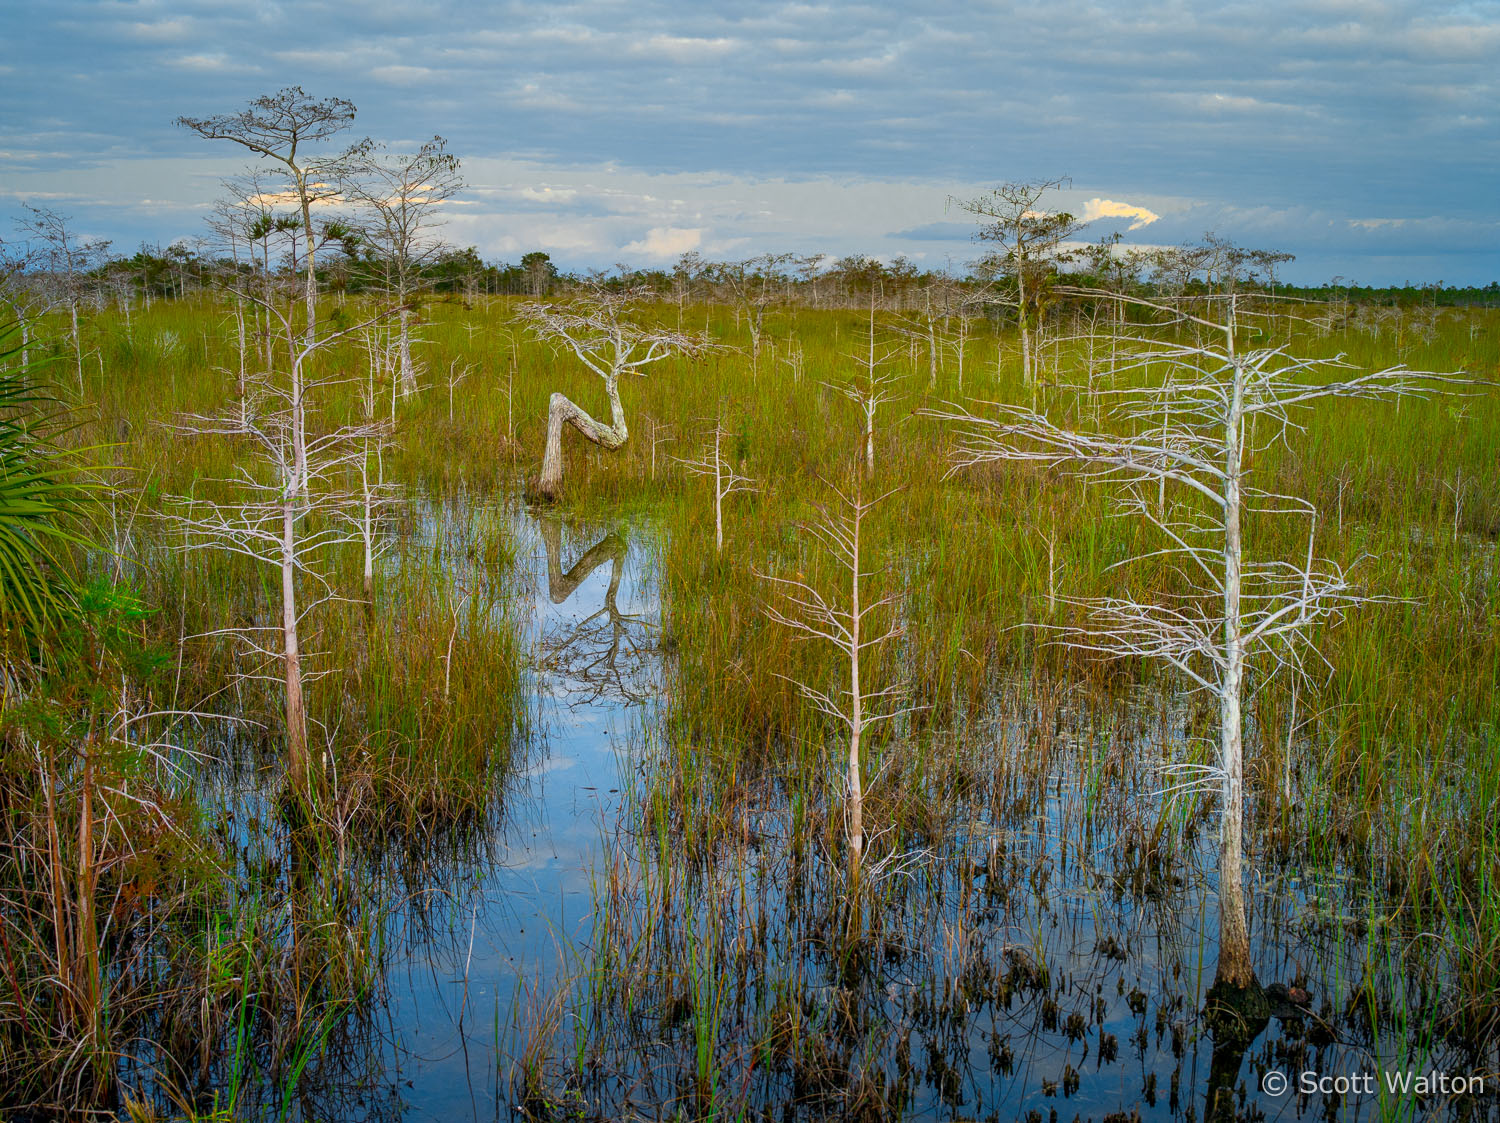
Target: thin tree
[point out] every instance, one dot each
(281, 127)
(1240, 611)
(69, 261)
(604, 328)
(851, 627)
(539, 271)
(402, 196)
(753, 286)
(286, 513)
(726, 479)
(1029, 246)
(20, 292)
(871, 388)
(278, 250)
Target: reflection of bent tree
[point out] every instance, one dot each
(605, 654)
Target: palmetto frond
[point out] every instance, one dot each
(42, 496)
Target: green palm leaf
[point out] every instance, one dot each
(42, 497)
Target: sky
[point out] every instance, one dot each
(1362, 136)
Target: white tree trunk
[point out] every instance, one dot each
(718, 493)
(367, 524)
(856, 722)
(77, 338)
(1234, 967)
(560, 413)
(870, 437)
(408, 371)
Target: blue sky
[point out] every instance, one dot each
(1362, 136)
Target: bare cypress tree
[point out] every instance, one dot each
(286, 512)
(871, 388)
(69, 260)
(726, 479)
(753, 286)
(846, 625)
(402, 196)
(607, 330)
(282, 127)
(1194, 432)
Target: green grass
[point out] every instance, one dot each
(422, 708)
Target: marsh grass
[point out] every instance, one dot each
(1017, 814)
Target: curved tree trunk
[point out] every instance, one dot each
(562, 585)
(561, 412)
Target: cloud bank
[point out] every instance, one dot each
(1241, 119)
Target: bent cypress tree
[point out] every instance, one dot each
(604, 329)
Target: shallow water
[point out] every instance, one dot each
(1026, 968)
(510, 924)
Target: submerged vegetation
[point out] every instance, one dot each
(998, 903)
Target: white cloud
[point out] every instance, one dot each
(161, 30)
(542, 193)
(533, 96)
(666, 241)
(1109, 208)
(683, 49)
(216, 63)
(401, 75)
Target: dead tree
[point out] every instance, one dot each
(69, 261)
(1194, 432)
(871, 388)
(402, 196)
(287, 511)
(278, 250)
(753, 287)
(726, 479)
(20, 291)
(603, 329)
(847, 627)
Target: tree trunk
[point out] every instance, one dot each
(299, 427)
(408, 372)
(562, 412)
(367, 527)
(310, 294)
(1234, 967)
(856, 724)
(77, 340)
(296, 709)
(718, 494)
(870, 437)
(240, 383)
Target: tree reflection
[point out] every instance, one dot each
(607, 654)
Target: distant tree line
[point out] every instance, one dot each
(36, 271)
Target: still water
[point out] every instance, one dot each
(1028, 967)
